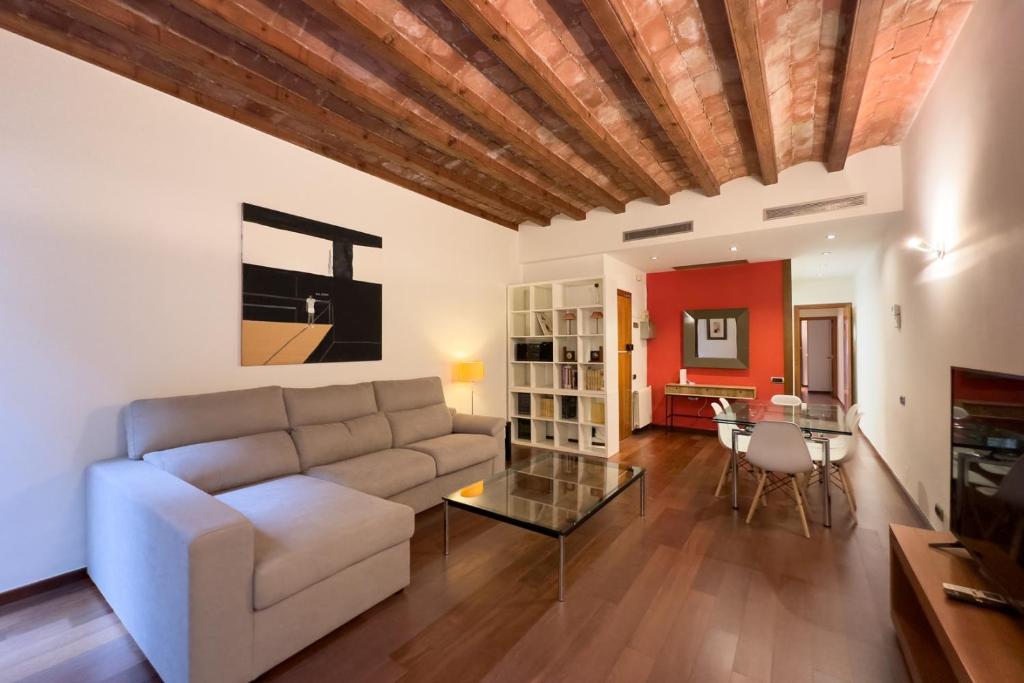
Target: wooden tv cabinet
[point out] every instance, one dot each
(942, 639)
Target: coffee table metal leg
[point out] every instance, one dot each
(445, 505)
(643, 494)
(561, 568)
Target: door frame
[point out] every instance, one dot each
(798, 352)
(625, 394)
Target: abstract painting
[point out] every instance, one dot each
(311, 291)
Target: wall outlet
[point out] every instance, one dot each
(903, 400)
(778, 380)
(940, 513)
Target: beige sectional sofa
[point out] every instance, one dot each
(245, 525)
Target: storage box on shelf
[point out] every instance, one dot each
(558, 334)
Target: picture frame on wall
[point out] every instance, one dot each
(716, 338)
(717, 329)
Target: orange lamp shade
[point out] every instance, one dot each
(469, 371)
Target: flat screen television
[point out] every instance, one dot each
(987, 491)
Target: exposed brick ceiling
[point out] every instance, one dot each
(520, 110)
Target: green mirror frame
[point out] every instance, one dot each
(690, 357)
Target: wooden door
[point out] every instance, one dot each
(624, 308)
(819, 356)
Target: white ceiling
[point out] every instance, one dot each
(855, 239)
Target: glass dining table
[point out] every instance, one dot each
(818, 421)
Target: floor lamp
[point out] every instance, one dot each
(470, 371)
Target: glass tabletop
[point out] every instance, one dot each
(815, 417)
(552, 493)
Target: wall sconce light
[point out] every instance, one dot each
(928, 248)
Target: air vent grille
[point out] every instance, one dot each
(820, 206)
(659, 231)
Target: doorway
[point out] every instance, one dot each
(624, 318)
(824, 352)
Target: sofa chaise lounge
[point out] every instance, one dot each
(245, 525)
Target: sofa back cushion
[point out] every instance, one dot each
(216, 466)
(419, 424)
(415, 408)
(160, 424)
(322, 444)
(405, 394)
(324, 405)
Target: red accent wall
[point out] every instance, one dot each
(754, 286)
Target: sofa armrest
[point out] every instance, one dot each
(176, 565)
(477, 424)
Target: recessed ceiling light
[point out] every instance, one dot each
(654, 258)
(826, 253)
(831, 236)
(734, 248)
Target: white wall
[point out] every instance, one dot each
(120, 277)
(824, 290)
(962, 188)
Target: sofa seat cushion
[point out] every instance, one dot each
(308, 529)
(454, 452)
(384, 473)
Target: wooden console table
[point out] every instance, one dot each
(942, 639)
(705, 391)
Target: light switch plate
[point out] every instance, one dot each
(778, 380)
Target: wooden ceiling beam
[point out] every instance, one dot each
(623, 35)
(867, 16)
(496, 32)
(254, 24)
(42, 23)
(176, 40)
(383, 41)
(742, 15)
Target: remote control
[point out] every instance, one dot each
(976, 597)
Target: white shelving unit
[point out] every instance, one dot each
(563, 402)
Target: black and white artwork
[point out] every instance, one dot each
(311, 291)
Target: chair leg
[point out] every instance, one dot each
(726, 469)
(847, 487)
(757, 495)
(800, 506)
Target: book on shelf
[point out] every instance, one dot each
(569, 378)
(544, 323)
(546, 408)
(569, 407)
(594, 379)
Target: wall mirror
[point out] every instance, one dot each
(716, 338)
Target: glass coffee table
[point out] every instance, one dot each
(551, 493)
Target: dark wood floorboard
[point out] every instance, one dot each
(689, 593)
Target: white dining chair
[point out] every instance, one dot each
(725, 437)
(841, 451)
(779, 451)
(787, 400)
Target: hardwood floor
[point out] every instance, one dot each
(688, 593)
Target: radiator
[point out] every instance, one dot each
(642, 408)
